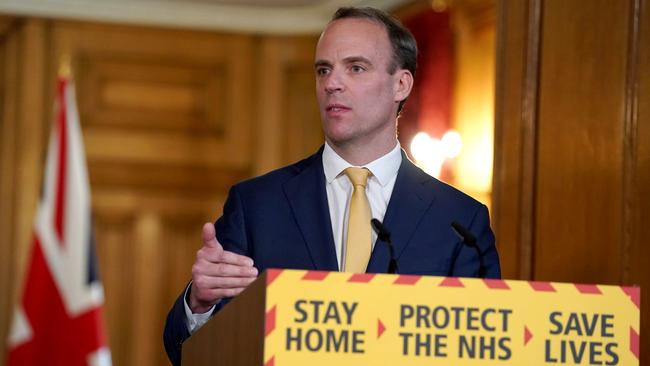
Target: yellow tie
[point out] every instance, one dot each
(357, 248)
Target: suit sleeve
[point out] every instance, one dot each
(467, 263)
(175, 331)
(231, 233)
(231, 226)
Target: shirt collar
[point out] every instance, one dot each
(384, 168)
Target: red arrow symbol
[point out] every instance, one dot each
(527, 335)
(380, 328)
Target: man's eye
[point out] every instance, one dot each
(357, 69)
(322, 71)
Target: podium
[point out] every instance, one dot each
(235, 335)
(294, 317)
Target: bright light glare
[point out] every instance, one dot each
(428, 153)
(421, 146)
(452, 143)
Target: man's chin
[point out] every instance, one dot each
(337, 132)
(339, 139)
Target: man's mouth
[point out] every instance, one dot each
(336, 108)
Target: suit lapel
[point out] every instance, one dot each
(308, 200)
(410, 199)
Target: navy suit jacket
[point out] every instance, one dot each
(281, 220)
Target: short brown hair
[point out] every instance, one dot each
(405, 49)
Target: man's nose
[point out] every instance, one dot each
(333, 83)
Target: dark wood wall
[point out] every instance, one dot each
(572, 143)
(171, 119)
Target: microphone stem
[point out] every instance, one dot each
(481, 266)
(392, 265)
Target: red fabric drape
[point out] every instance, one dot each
(428, 108)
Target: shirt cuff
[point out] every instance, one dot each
(194, 321)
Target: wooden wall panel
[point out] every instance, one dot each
(167, 128)
(302, 126)
(514, 137)
(31, 133)
(8, 58)
(187, 95)
(128, 93)
(171, 119)
(146, 248)
(115, 253)
(289, 122)
(580, 141)
(637, 200)
(583, 125)
(22, 44)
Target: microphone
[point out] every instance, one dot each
(384, 235)
(470, 240)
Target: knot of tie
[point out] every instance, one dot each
(358, 176)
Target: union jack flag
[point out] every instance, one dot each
(59, 318)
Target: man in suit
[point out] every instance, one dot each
(315, 214)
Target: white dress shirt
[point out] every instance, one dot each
(339, 192)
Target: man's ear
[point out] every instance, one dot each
(403, 84)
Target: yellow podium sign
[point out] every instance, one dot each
(328, 318)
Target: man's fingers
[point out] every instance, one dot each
(215, 283)
(227, 292)
(218, 256)
(236, 259)
(223, 270)
(210, 254)
(232, 292)
(210, 236)
(208, 290)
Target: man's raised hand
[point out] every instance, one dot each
(217, 273)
